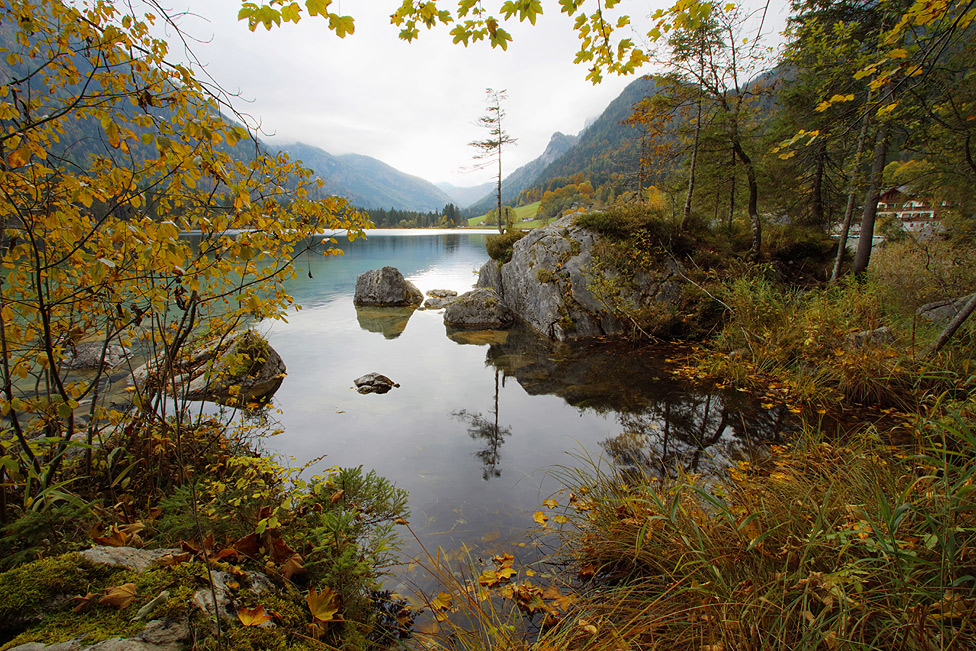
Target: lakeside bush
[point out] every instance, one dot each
(500, 246)
(819, 546)
(227, 505)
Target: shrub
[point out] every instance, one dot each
(911, 273)
(500, 246)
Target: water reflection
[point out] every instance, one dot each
(490, 433)
(666, 424)
(387, 321)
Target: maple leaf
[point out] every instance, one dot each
(120, 596)
(321, 604)
(504, 560)
(247, 546)
(173, 559)
(84, 604)
(293, 566)
(280, 551)
(551, 503)
(442, 602)
(115, 538)
(540, 518)
(253, 617)
(488, 577)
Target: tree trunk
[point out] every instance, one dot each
(953, 325)
(732, 197)
(753, 205)
(845, 226)
(870, 212)
(686, 214)
(817, 202)
(501, 229)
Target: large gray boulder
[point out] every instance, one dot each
(93, 355)
(549, 283)
(942, 311)
(239, 376)
(386, 287)
(237, 370)
(479, 309)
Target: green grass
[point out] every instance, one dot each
(520, 213)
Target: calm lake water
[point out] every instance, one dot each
(479, 419)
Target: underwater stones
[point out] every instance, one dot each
(386, 287)
(374, 383)
(479, 309)
(439, 298)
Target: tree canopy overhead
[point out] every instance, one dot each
(108, 152)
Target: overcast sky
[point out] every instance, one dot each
(412, 105)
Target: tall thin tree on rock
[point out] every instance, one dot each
(490, 149)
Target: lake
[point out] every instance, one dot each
(479, 418)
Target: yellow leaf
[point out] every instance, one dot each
(540, 517)
(898, 53)
(885, 110)
(336, 496)
(321, 604)
(19, 156)
(442, 602)
(551, 503)
(253, 617)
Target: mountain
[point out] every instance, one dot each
(464, 197)
(603, 146)
(526, 175)
(368, 182)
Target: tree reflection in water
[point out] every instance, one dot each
(694, 432)
(483, 429)
(667, 423)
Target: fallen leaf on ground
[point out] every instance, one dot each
(120, 596)
(253, 617)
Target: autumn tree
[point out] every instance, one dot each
(108, 152)
(490, 148)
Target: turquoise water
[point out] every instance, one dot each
(478, 420)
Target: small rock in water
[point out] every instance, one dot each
(374, 383)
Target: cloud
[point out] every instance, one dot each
(413, 106)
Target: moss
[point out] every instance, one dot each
(94, 626)
(253, 350)
(545, 275)
(29, 588)
(32, 588)
(575, 248)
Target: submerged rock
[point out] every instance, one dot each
(374, 383)
(439, 298)
(480, 308)
(386, 287)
